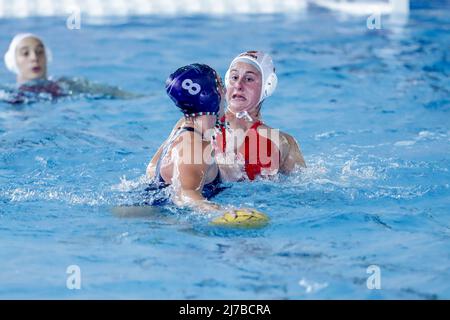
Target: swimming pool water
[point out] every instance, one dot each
(370, 109)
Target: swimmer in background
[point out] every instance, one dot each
(28, 57)
(186, 158)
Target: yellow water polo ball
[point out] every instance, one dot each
(246, 218)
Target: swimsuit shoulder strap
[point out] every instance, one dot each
(223, 131)
(256, 125)
(190, 129)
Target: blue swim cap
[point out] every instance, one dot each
(195, 90)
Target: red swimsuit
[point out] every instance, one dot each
(256, 150)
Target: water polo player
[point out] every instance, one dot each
(186, 160)
(249, 148)
(28, 58)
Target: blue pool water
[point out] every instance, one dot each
(370, 108)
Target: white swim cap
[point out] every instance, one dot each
(10, 55)
(263, 62)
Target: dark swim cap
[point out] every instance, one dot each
(194, 89)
